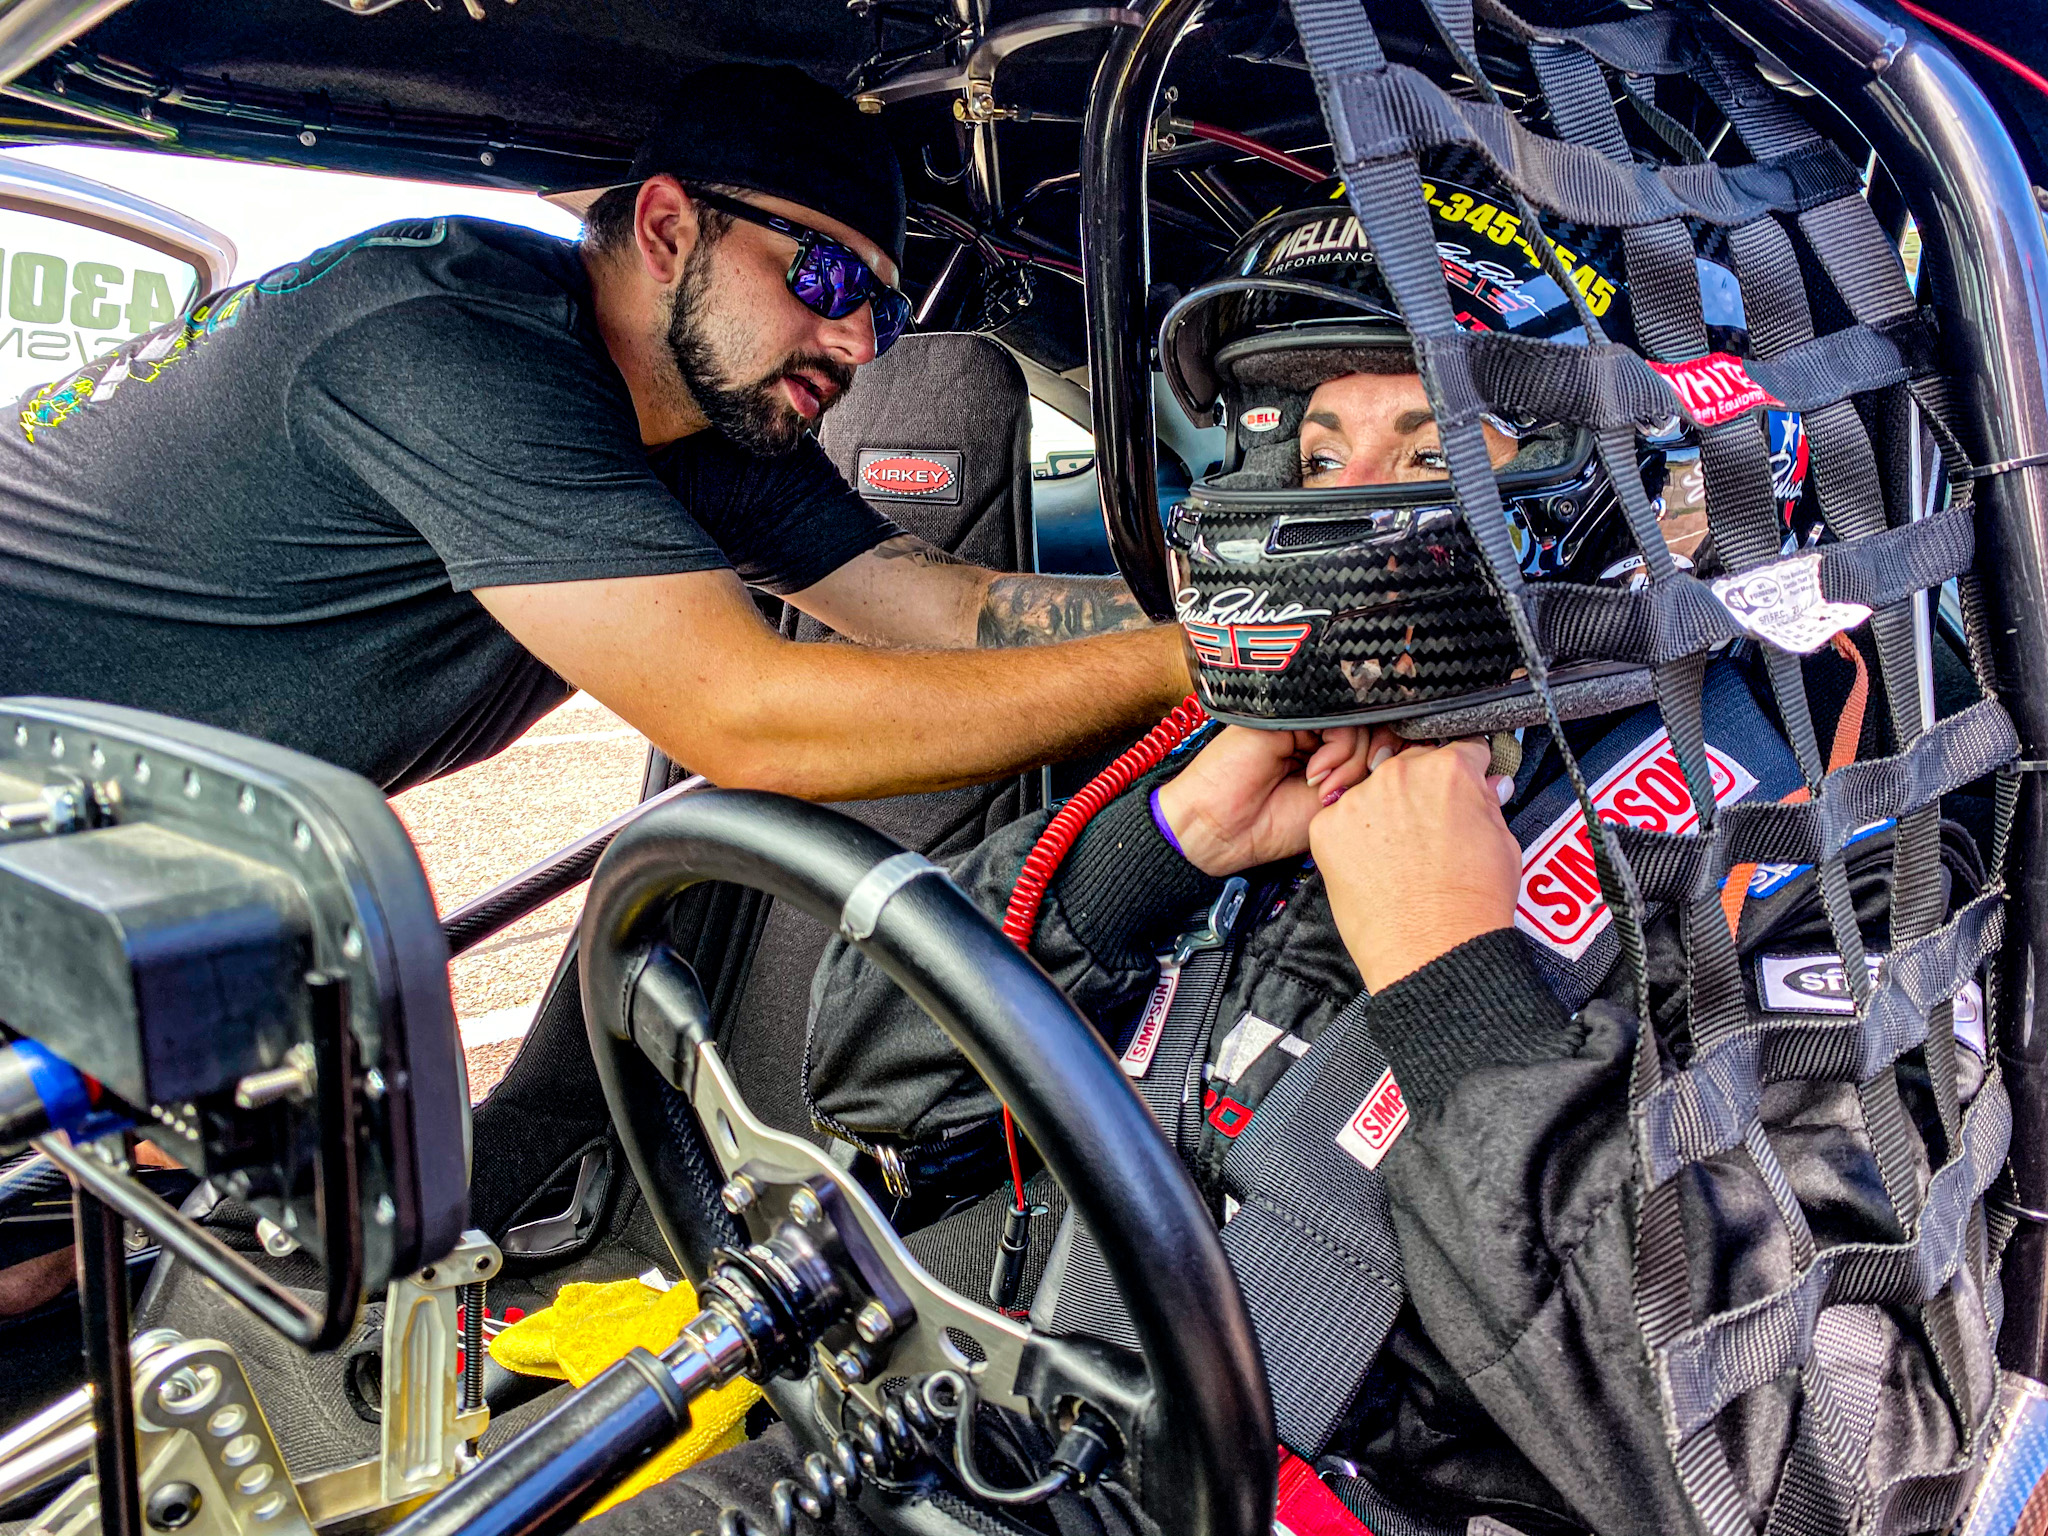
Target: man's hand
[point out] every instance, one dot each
(1417, 860)
(1248, 796)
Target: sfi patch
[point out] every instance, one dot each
(1820, 984)
(1715, 388)
(909, 474)
(1769, 879)
(1560, 902)
(1260, 418)
(1784, 605)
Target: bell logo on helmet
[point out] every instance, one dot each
(1261, 418)
(1236, 631)
(900, 474)
(1715, 388)
(1560, 902)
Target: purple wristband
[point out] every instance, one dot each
(1159, 821)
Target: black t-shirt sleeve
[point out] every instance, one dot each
(785, 521)
(504, 441)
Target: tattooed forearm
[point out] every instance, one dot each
(908, 546)
(1038, 610)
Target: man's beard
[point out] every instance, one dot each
(757, 415)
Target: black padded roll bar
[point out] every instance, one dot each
(1114, 146)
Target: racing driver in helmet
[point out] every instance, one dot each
(1360, 829)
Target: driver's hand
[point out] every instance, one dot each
(1248, 796)
(1418, 860)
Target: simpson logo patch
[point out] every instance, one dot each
(1263, 418)
(1378, 1124)
(909, 474)
(1137, 1057)
(1715, 388)
(1560, 902)
(1239, 631)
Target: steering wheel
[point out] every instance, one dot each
(1195, 1422)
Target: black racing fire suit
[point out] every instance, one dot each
(1514, 1382)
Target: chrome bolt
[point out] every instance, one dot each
(851, 1366)
(740, 1195)
(293, 1082)
(276, 1241)
(489, 157)
(308, 137)
(803, 1205)
(172, 1506)
(873, 1323)
(868, 104)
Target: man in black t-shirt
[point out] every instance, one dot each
(391, 503)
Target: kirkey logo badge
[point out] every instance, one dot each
(909, 474)
(1237, 631)
(906, 475)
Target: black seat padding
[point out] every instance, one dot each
(942, 395)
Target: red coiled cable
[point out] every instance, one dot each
(1053, 844)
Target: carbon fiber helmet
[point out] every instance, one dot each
(1306, 607)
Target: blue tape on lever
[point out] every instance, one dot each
(2018, 1461)
(61, 1086)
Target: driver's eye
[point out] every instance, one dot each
(1315, 465)
(1431, 459)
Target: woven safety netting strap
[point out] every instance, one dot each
(1787, 207)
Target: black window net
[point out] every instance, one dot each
(1834, 332)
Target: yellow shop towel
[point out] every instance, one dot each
(591, 1326)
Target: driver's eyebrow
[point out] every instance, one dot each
(1324, 419)
(1413, 421)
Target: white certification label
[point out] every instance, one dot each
(1782, 605)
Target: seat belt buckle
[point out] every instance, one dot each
(1213, 929)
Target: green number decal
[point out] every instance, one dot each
(35, 287)
(90, 306)
(150, 306)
